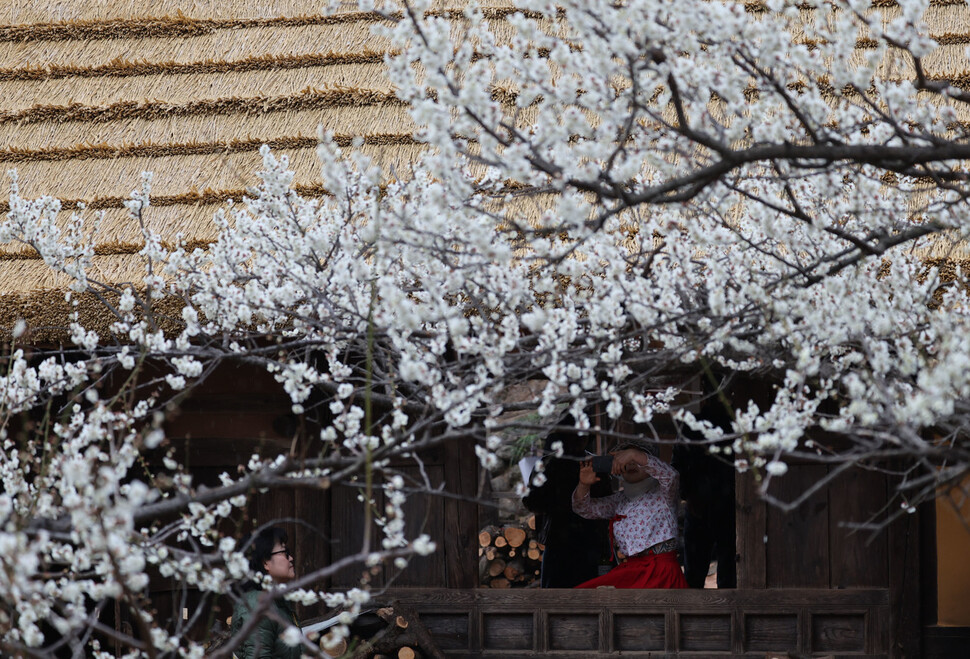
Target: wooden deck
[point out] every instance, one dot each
(654, 623)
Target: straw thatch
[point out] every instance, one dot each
(181, 89)
(93, 93)
(185, 172)
(228, 43)
(215, 128)
(23, 12)
(98, 11)
(28, 275)
(119, 234)
(45, 310)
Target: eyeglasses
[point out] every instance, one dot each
(282, 551)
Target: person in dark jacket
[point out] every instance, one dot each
(268, 555)
(707, 487)
(574, 547)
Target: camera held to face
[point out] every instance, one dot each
(602, 464)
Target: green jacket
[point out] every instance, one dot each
(264, 641)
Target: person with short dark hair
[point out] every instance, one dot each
(643, 519)
(268, 554)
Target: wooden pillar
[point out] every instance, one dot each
(750, 523)
(461, 521)
(904, 583)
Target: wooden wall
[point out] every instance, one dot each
(241, 410)
(451, 520)
(813, 546)
(238, 411)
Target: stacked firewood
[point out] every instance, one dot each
(510, 555)
(405, 637)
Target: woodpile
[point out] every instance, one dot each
(405, 637)
(510, 555)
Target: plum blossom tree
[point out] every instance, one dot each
(723, 188)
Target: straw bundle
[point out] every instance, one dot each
(218, 44)
(174, 174)
(116, 178)
(944, 247)
(27, 275)
(153, 150)
(944, 62)
(347, 120)
(206, 197)
(118, 233)
(182, 89)
(25, 12)
(309, 98)
(502, 30)
(125, 68)
(941, 17)
(44, 311)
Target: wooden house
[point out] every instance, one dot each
(94, 93)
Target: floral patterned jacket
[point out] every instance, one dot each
(643, 521)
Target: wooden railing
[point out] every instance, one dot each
(653, 623)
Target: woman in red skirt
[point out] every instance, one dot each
(643, 519)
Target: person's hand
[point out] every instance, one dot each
(586, 474)
(628, 463)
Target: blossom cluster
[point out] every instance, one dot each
(619, 200)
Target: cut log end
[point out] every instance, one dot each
(385, 613)
(514, 535)
(513, 570)
(484, 539)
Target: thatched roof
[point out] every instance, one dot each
(94, 93)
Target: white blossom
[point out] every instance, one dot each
(563, 237)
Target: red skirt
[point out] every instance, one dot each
(650, 571)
